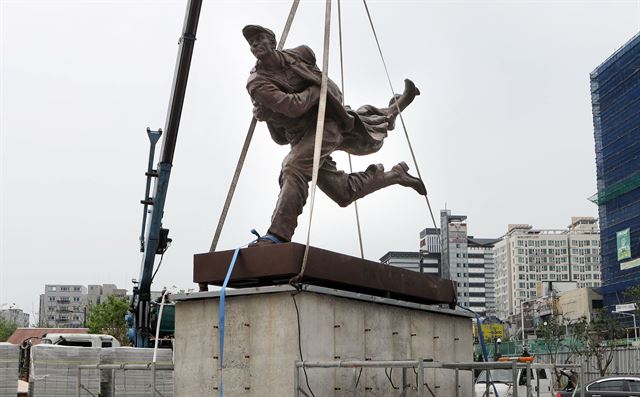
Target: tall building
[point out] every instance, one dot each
(453, 248)
(466, 260)
(69, 306)
(615, 98)
(482, 270)
(525, 256)
(16, 316)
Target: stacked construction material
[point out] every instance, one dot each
(134, 383)
(9, 361)
(54, 371)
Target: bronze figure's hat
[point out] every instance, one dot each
(250, 31)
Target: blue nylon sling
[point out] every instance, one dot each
(223, 291)
(221, 312)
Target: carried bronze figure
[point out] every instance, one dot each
(285, 89)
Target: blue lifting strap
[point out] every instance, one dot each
(485, 356)
(221, 313)
(223, 291)
(484, 352)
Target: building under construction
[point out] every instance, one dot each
(615, 93)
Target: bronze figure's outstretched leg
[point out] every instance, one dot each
(345, 188)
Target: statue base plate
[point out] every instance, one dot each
(277, 264)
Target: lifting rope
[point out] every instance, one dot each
(322, 107)
(321, 114)
(406, 134)
(247, 140)
(355, 203)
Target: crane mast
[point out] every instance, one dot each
(154, 238)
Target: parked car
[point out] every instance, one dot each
(609, 386)
(80, 340)
(501, 381)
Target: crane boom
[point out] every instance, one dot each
(156, 239)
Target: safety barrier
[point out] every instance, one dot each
(151, 386)
(420, 365)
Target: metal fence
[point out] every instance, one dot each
(150, 387)
(421, 388)
(626, 361)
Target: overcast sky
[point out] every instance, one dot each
(502, 131)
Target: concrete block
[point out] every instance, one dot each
(194, 323)
(262, 336)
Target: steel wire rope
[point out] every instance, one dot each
(425, 383)
(389, 377)
(322, 106)
(404, 127)
(304, 369)
(355, 203)
(247, 141)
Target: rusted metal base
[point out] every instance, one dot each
(277, 264)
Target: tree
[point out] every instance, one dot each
(6, 329)
(632, 294)
(108, 318)
(553, 332)
(599, 337)
(555, 339)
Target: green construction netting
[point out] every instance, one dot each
(617, 189)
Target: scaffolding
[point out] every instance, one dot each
(615, 99)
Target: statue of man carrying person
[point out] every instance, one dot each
(285, 89)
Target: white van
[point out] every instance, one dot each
(81, 340)
(502, 380)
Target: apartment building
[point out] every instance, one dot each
(96, 293)
(15, 316)
(69, 306)
(525, 256)
(62, 306)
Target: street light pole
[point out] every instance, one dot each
(522, 319)
(635, 328)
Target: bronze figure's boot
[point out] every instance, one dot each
(401, 176)
(404, 100)
(401, 102)
(377, 179)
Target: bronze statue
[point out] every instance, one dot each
(285, 89)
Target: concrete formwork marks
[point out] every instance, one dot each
(261, 345)
(196, 346)
(349, 344)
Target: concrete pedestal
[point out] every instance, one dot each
(264, 334)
